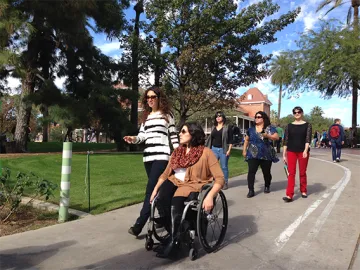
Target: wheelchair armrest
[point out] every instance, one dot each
(204, 189)
(206, 186)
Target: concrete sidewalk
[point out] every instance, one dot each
(252, 239)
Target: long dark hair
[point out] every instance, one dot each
(164, 105)
(197, 134)
(222, 115)
(265, 118)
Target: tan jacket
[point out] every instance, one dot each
(202, 172)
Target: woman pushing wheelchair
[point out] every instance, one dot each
(191, 166)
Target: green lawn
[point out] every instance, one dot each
(117, 180)
(40, 147)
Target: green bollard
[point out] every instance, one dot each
(65, 182)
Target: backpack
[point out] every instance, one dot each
(335, 132)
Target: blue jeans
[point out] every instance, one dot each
(336, 149)
(219, 153)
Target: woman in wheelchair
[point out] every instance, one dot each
(191, 166)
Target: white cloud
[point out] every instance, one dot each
(344, 113)
(59, 82)
(13, 83)
(292, 5)
(106, 48)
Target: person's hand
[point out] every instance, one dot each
(329, 142)
(153, 195)
(305, 154)
(129, 139)
(284, 157)
(342, 142)
(244, 154)
(228, 153)
(208, 203)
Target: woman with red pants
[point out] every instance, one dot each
(297, 141)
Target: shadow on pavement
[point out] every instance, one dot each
(239, 228)
(236, 183)
(315, 188)
(31, 256)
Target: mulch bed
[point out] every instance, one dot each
(25, 219)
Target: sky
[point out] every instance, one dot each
(307, 19)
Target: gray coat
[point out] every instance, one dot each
(225, 139)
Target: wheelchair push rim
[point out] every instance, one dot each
(159, 232)
(211, 227)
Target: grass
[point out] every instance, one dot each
(117, 180)
(45, 147)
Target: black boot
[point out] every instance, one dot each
(175, 222)
(251, 194)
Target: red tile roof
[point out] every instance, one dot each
(256, 96)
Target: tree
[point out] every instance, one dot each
(67, 25)
(356, 34)
(281, 74)
(211, 50)
(316, 111)
(354, 7)
(274, 117)
(327, 61)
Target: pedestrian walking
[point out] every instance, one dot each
(297, 141)
(157, 127)
(220, 142)
(280, 132)
(258, 151)
(336, 139)
(315, 138)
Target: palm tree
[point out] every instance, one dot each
(355, 81)
(337, 3)
(317, 111)
(281, 74)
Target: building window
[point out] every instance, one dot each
(250, 96)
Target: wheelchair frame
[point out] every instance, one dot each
(190, 234)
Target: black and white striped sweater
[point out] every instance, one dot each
(154, 132)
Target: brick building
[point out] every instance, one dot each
(249, 104)
(253, 101)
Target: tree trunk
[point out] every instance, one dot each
(182, 121)
(45, 127)
(183, 109)
(23, 114)
(354, 107)
(157, 66)
(279, 103)
(355, 5)
(135, 64)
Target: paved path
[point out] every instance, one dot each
(319, 232)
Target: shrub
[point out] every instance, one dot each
(12, 190)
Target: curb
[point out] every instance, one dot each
(52, 207)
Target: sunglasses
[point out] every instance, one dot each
(218, 115)
(151, 97)
(258, 117)
(183, 131)
(297, 112)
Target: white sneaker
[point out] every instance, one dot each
(337, 159)
(334, 161)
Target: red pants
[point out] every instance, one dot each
(292, 158)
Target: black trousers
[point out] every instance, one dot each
(278, 145)
(166, 201)
(153, 170)
(253, 165)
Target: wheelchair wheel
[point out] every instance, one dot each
(159, 231)
(211, 227)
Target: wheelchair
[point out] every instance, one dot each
(210, 227)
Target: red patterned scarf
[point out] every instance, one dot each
(180, 159)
